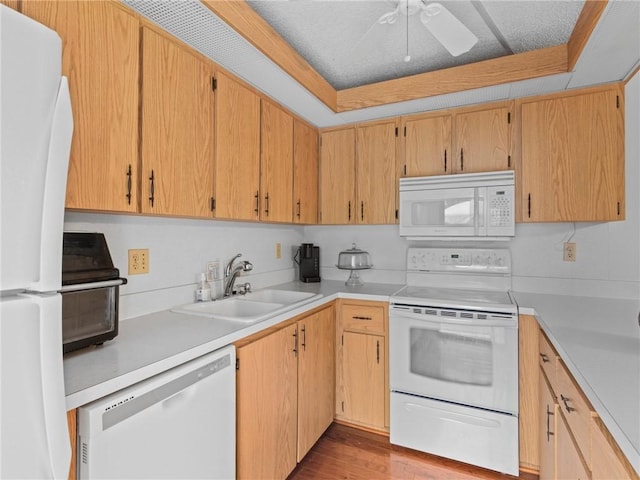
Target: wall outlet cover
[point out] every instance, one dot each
(569, 252)
(138, 261)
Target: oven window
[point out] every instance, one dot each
(458, 357)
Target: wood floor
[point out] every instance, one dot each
(347, 453)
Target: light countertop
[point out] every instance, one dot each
(598, 339)
(154, 343)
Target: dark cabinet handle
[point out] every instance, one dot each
(377, 351)
(299, 210)
(152, 179)
(295, 343)
(461, 159)
(362, 210)
(266, 204)
(549, 432)
(129, 175)
(304, 338)
(544, 357)
(257, 197)
(445, 160)
(529, 205)
(349, 209)
(565, 400)
(355, 317)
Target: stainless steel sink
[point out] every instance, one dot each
(250, 308)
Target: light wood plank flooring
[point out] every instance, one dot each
(351, 454)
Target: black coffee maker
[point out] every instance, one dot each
(308, 259)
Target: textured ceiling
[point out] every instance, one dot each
(342, 40)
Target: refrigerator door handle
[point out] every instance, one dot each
(53, 395)
(55, 189)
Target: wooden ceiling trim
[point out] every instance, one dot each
(239, 15)
(510, 68)
(586, 23)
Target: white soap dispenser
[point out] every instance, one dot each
(203, 292)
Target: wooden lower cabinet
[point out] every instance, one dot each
(363, 390)
(528, 331)
(362, 373)
(547, 427)
(72, 423)
(570, 464)
(285, 386)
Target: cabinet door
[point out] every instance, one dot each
(237, 175)
(428, 146)
(375, 173)
(316, 377)
(305, 173)
(100, 58)
(337, 177)
(547, 426)
(267, 406)
(573, 159)
(482, 141)
(528, 394)
(363, 392)
(569, 463)
(177, 129)
(276, 175)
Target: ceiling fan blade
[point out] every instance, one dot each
(447, 29)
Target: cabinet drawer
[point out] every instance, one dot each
(548, 360)
(363, 318)
(576, 409)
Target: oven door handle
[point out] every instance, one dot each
(89, 286)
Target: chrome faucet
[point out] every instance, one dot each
(231, 273)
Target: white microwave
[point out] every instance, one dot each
(470, 205)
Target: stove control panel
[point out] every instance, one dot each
(464, 260)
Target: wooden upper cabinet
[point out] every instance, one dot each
(376, 173)
(337, 176)
(427, 146)
(100, 58)
(573, 157)
(305, 173)
(276, 171)
(482, 140)
(237, 176)
(177, 129)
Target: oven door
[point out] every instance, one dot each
(471, 362)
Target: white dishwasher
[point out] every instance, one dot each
(178, 424)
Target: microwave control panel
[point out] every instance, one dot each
(467, 260)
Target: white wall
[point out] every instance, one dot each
(608, 254)
(180, 248)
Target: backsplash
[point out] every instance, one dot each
(180, 248)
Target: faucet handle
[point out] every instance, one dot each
(244, 288)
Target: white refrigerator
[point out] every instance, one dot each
(36, 126)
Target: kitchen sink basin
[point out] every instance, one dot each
(286, 297)
(232, 309)
(250, 308)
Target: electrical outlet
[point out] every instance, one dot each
(278, 250)
(213, 270)
(138, 261)
(569, 254)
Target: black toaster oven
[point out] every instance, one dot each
(90, 291)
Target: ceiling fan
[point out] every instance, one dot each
(440, 22)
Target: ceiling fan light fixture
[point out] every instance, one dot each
(447, 29)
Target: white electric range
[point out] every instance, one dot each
(453, 341)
